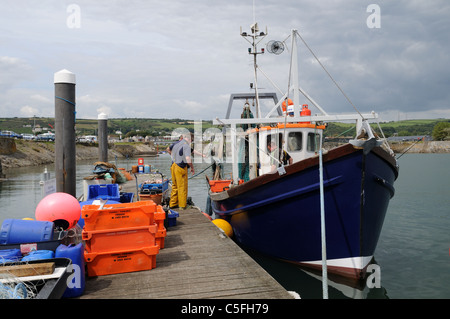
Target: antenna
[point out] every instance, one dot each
(255, 37)
(275, 47)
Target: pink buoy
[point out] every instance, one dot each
(60, 208)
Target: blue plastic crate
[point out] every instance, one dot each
(126, 197)
(172, 218)
(104, 191)
(155, 186)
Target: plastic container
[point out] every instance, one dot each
(140, 169)
(18, 231)
(161, 232)
(156, 198)
(90, 202)
(172, 218)
(77, 280)
(146, 169)
(104, 191)
(126, 197)
(119, 238)
(221, 185)
(107, 263)
(10, 255)
(161, 187)
(119, 215)
(39, 255)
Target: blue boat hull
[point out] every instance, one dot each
(280, 215)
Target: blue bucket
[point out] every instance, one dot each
(38, 255)
(10, 255)
(76, 281)
(19, 231)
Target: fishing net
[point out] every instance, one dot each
(12, 287)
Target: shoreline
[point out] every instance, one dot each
(422, 147)
(20, 153)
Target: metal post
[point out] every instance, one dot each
(103, 137)
(322, 229)
(65, 150)
(294, 68)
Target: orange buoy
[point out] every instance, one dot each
(283, 105)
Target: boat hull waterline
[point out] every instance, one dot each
(279, 215)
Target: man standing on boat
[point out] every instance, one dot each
(278, 156)
(181, 155)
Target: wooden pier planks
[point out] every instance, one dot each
(198, 261)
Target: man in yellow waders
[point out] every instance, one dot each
(181, 155)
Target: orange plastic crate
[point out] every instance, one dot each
(160, 237)
(118, 215)
(160, 216)
(108, 263)
(221, 185)
(119, 238)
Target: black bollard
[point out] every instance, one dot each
(103, 137)
(65, 149)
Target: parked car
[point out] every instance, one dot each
(28, 137)
(88, 139)
(46, 137)
(10, 134)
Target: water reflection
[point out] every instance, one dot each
(308, 284)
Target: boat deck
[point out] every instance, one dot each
(198, 261)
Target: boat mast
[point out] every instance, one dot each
(294, 69)
(255, 35)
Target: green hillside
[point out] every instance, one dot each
(161, 127)
(401, 128)
(132, 126)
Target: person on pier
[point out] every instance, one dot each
(181, 155)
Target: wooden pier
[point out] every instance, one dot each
(198, 262)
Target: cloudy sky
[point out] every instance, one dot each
(182, 59)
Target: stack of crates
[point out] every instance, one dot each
(122, 237)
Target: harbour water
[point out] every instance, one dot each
(413, 253)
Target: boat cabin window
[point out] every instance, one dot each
(294, 141)
(313, 142)
(275, 138)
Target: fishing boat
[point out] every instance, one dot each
(325, 209)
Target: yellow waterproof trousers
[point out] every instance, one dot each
(178, 197)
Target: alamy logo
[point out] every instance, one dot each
(374, 279)
(74, 19)
(74, 279)
(374, 19)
